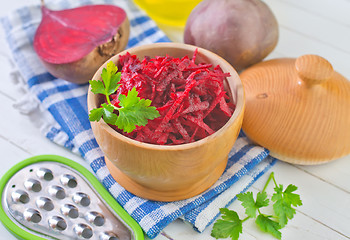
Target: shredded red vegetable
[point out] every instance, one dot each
(190, 97)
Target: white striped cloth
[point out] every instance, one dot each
(63, 117)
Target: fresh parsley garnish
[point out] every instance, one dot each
(133, 110)
(284, 201)
(229, 226)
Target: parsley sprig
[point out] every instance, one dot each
(284, 201)
(133, 110)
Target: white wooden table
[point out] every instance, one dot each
(311, 26)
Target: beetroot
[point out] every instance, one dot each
(242, 31)
(190, 97)
(64, 39)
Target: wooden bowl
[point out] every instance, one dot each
(169, 173)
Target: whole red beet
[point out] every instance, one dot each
(242, 31)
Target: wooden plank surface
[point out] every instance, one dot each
(312, 26)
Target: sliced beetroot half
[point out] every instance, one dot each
(69, 35)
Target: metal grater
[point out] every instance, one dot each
(51, 197)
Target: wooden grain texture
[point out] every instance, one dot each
(168, 173)
(298, 108)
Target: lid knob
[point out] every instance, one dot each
(313, 69)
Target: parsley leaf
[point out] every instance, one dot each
(291, 197)
(283, 203)
(97, 87)
(250, 205)
(108, 114)
(266, 224)
(106, 111)
(95, 114)
(262, 200)
(132, 112)
(229, 226)
(248, 202)
(110, 78)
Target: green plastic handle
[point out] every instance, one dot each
(20, 233)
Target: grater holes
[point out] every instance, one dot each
(57, 223)
(70, 210)
(108, 236)
(83, 230)
(32, 215)
(45, 174)
(81, 199)
(32, 185)
(57, 192)
(69, 180)
(20, 196)
(95, 218)
(45, 203)
(56, 207)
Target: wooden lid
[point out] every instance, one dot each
(299, 109)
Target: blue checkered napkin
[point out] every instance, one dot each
(66, 117)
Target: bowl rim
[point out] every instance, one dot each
(240, 99)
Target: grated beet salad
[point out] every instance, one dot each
(190, 97)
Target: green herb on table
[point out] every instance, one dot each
(284, 201)
(132, 112)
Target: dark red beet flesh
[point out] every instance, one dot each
(190, 97)
(69, 35)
